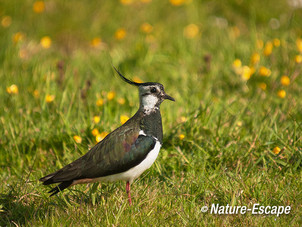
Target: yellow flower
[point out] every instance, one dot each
(95, 132)
(137, 80)
(77, 139)
(104, 134)
(255, 58)
(299, 44)
(49, 98)
(276, 150)
(96, 42)
(177, 2)
(39, 7)
(237, 63)
(96, 119)
(17, 37)
(121, 101)
(146, 28)
(100, 102)
(126, 2)
(36, 93)
(191, 31)
(101, 136)
(247, 72)
(298, 59)
(237, 66)
(110, 95)
(13, 89)
(276, 42)
(183, 119)
(120, 34)
(123, 119)
(181, 136)
(285, 81)
(262, 86)
(6, 21)
(239, 123)
(268, 48)
(259, 44)
(281, 93)
(263, 71)
(45, 42)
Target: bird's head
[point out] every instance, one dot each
(151, 94)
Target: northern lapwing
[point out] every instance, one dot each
(126, 152)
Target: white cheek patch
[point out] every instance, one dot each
(149, 102)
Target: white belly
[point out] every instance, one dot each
(133, 173)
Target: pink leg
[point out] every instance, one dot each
(128, 192)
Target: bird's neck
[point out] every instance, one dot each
(151, 124)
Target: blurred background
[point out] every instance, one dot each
(200, 38)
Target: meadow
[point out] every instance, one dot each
(233, 136)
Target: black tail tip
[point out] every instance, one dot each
(54, 191)
(59, 188)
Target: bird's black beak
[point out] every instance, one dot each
(165, 96)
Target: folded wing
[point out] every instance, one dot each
(115, 154)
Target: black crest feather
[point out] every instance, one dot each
(132, 82)
(127, 80)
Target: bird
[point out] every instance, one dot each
(125, 153)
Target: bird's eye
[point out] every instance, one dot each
(153, 90)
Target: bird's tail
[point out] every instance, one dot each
(60, 187)
(49, 180)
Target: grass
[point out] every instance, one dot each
(220, 136)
